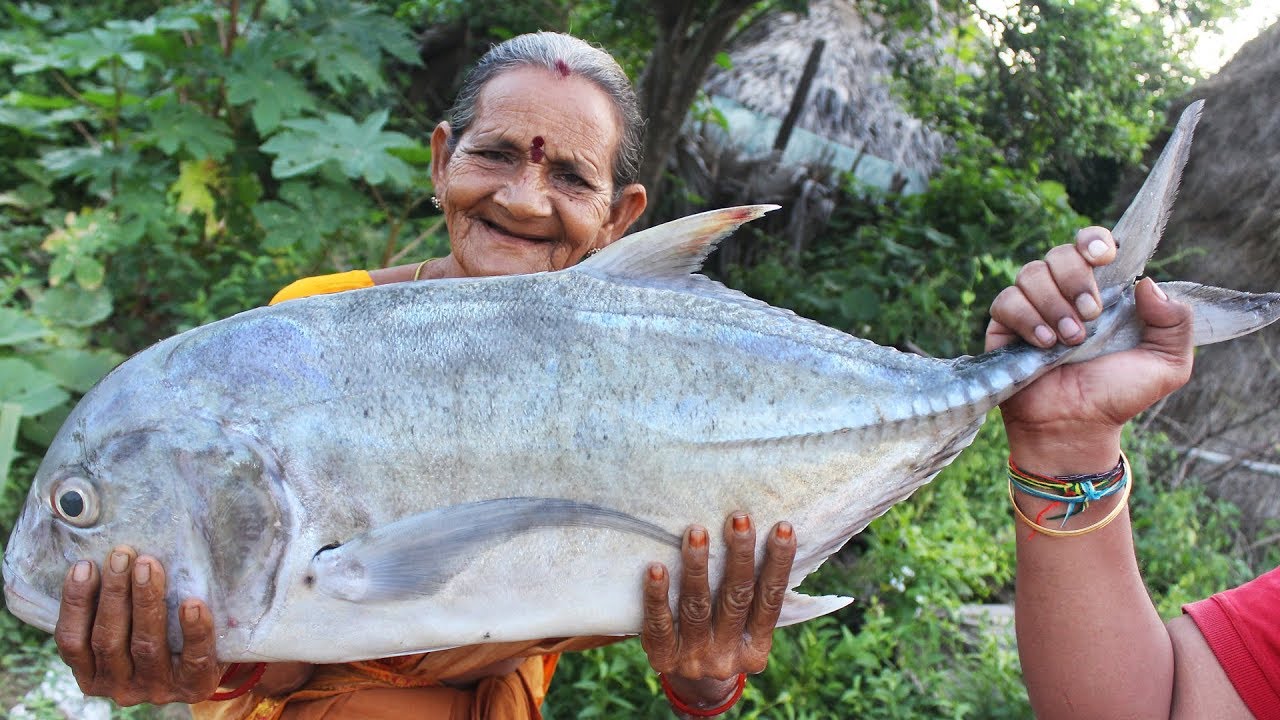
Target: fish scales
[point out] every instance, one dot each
(423, 465)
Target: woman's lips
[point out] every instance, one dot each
(507, 233)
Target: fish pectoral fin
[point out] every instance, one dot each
(418, 555)
(797, 607)
(670, 250)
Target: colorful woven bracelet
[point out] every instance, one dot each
(1123, 485)
(1075, 492)
(244, 687)
(683, 707)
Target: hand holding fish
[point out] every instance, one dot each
(1077, 411)
(703, 653)
(112, 632)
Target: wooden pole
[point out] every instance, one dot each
(802, 94)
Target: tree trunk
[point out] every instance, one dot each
(689, 36)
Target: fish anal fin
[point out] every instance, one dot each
(797, 607)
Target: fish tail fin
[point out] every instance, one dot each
(1139, 230)
(1220, 314)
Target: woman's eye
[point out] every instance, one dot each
(75, 501)
(575, 180)
(494, 155)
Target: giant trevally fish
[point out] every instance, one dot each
(424, 465)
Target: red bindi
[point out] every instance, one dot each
(535, 152)
(563, 68)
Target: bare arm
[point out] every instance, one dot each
(1091, 642)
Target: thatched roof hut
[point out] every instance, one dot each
(850, 121)
(850, 103)
(1225, 228)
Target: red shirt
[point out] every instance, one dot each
(1242, 627)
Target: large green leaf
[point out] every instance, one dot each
(35, 390)
(255, 77)
(179, 125)
(39, 430)
(18, 327)
(359, 149)
(74, 306)
(76, 369)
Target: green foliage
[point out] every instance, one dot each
(913, 270)
(1071, 88)
(168, 166)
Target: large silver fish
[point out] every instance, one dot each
(432, 464)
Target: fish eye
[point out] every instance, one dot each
(75, 502)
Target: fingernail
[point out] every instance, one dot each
(1045, 335)
(80, 572)
(119, 562)
(1068, 327)
(1159, 291)
(1087, 306)
(656, 571)
(698, 538)
(784, 531)
(1096, 249)
(191, 613)
(142, 573)
(741, 523)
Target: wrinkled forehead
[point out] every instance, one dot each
(570, 113)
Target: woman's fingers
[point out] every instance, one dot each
(738, 586)
(658, 634)
(771, 588)
(695, 592)
(196, 674)
(75, 622)
(113, 619)
(149, 644)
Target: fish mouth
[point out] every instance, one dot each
(28, 604)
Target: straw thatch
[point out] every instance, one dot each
(850, 102)
(1226, 225)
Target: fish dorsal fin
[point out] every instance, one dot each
(670, 250)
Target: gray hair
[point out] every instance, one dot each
(562, 54)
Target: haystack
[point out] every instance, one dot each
(1225, 230)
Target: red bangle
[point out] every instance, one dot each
(685, 708)
(254, 677)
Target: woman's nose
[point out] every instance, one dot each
(527, 193)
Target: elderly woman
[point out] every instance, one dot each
(534, 170)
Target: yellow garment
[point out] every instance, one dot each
(323, 285)
(411, 686)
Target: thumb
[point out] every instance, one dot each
(1168, 326)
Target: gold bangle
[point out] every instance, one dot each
(417, 274)
(1115, 512)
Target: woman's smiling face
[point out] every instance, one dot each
(529, 185)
